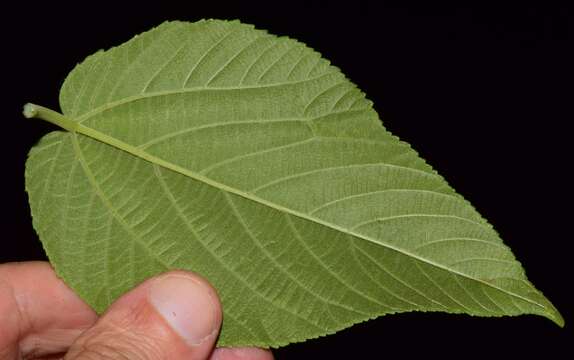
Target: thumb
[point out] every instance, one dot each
(176, 315)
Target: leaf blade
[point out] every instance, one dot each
(256, 159)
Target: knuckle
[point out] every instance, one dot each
(116, 344)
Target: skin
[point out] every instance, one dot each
(44, 319)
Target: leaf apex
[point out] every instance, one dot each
(554, 315)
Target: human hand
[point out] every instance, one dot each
(176, 315)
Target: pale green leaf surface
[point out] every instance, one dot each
(248, 158)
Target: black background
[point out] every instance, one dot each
(483, 93)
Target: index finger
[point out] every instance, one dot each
(40, 314)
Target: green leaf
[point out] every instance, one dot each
(246, 157)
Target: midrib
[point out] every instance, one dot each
(107, 139)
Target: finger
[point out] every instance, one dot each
(176, 315)
(246, 353)
(39, 314)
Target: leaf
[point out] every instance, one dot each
(219, 148)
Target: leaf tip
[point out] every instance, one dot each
(553, 314)
(556, 317)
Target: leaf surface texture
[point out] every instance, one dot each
(246, 157)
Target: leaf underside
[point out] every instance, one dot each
(246, 157)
